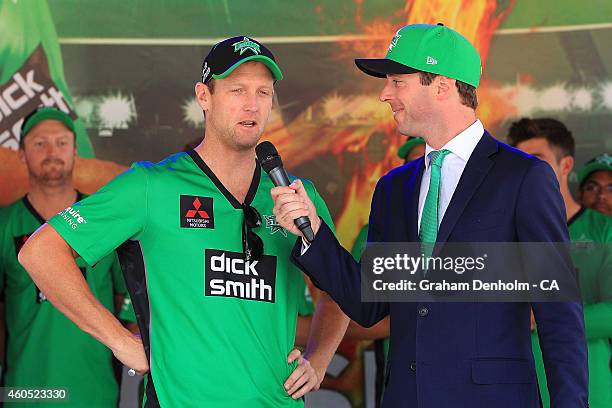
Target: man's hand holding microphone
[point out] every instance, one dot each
(292, 202)
(293, 209)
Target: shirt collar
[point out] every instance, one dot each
(461, 145)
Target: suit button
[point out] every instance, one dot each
(423, 311)
(413, 366)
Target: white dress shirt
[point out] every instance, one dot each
(461, 148)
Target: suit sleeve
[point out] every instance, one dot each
(333, 269)
(541, 217)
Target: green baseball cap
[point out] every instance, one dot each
(45, 113)
(601, 162)
(410, 144)
(430, 48)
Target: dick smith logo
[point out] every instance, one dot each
(73, 217)
(196, 212)
(31, 86)
(228, 274)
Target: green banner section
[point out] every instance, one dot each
(547, 13)
(219, 18)
(31, 70)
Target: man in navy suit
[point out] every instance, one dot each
(469, 187)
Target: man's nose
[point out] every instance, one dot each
(386, 93)
(251, 104)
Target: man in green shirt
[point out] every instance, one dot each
(44, 348)
(595, 180)
(591, 234)
(206, 263)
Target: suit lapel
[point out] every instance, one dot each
(474, 173)
(412, 199)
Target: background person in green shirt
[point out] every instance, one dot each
(595, 180)
(44, 348)
(207, 265)
(551, 141)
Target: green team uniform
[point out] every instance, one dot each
(44, 348)
(587, 228)
(216, 329)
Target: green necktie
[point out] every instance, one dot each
(430, 215)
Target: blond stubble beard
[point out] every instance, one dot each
(49, 177)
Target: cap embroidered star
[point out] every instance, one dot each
(227, 55)
(246, 44)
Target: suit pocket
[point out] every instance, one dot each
(502, 371)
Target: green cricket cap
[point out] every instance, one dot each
(601, 162)
(45, 113)
(430, 48)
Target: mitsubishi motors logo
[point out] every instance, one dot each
(197, 212)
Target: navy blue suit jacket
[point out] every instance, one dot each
(466, 354)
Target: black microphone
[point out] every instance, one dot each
(273, 165)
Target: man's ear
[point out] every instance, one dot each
(567, 164)
(202, 94)
(443, 86)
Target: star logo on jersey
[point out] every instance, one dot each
(583, 243)
(196, 212)
(246, 44)
(274, 226)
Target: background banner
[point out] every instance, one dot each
(126, 70)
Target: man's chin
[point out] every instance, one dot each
(248, 142)
(603, 209)
(405, 131)
(54, 178)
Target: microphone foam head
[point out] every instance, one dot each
(268, 156)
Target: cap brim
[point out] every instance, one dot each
(268, 62)
(381, 67)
